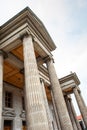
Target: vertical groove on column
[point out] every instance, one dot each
(75, 116)
(59, 99)
(46, 106)
(81, 106)
(1, 88)
(56, 113)
(35, 109)
(82, 100)
(67, 99)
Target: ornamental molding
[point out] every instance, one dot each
(8, 112)
(23, 114)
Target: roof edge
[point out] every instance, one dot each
(51, 42)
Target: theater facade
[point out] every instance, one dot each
(31, 95)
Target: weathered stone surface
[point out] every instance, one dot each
(58, 96)
(81, 106)
(46, 105)
(82, 99)
(35, 108)
(75, 116)
(67, 100)
(1, 87)
(56, 113)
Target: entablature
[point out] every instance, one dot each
(69, 82)
(26, 20)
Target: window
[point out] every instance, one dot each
(8, 99)
(23, 103)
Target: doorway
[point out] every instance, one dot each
(7, 124)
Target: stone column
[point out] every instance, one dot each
(56, 113)
(75, 116)
(46, 105)
(1, 87)
(82, 99)
(35, 108)
(58, 96)
(81, 106)
(67, 100)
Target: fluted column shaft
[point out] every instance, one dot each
(82, 100)
(46, 105)
(58, 96)
(70, 113)
(35, 108)
(75, 116)
(1, 87)
(56, 113)
(81, 106)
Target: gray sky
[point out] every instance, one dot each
(66, 22)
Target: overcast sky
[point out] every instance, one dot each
(66, 22)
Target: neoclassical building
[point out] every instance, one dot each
(31, 95)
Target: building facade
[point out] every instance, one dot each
(31, 95)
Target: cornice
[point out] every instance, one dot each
(71, 76)
(33, 23)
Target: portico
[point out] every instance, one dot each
(70, 85)
(26, 43)
(27, 73)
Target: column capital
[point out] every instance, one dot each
(4, 54)
(75, 88)
(68, 97)
(49, 58)
(26, 34)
